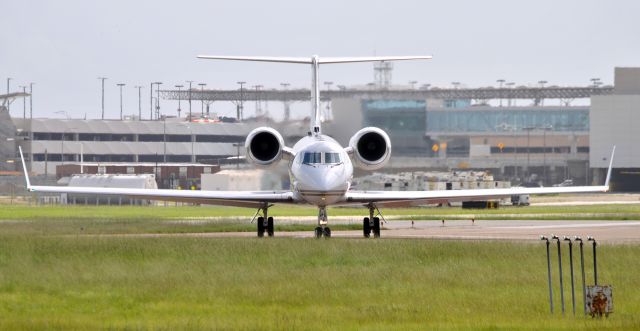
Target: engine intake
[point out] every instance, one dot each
(371, 148)
(264, 146)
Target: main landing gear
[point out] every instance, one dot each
(265, 223)
(371, 224)
(322, 230)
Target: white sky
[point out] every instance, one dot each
(63, 46)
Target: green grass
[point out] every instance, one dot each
(13, 212)
(53, 282)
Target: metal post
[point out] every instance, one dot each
(595, 261)
(8, 85)
(190, 82)
(24, 103)
(158, 100)
(202, 85)
(102, 79)
(179, 89)
(560, 268)
(573, 293)
(549, 272)
(584, 286)
(139, 102)
(120, 85)
(31, 100)
(151, 102)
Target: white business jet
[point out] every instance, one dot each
(321, 170)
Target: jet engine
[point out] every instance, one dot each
(371, 148)
(264, 146)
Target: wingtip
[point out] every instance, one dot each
(610, 169)
(24, 168)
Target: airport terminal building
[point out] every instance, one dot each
(518, 143)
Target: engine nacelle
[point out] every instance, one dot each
(371, 148)
(264, 146)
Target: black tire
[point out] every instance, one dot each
(366, 227)
(270, 226)
(376, 227)
(318, 232)
(260, 227)
(327, 233)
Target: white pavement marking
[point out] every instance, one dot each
(578, 225)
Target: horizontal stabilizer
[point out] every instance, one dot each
(309, 60)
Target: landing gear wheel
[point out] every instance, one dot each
(260, 227)
(327, 233)
(270, 226)
(318, 232)
(376, 227)
(366, 227)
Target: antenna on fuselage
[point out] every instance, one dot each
(315, 62)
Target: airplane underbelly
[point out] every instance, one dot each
(322, 198)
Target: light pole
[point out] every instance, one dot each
(179, 89)
(202, 85)
(500, 82)
(528, 129)
(158, 99)
(241, 105)
(24, 103)
(102, 79)
(31, 100)
(544, 151)
(8, 85)
(413, 84)
(328, 84)
(120, 85)
(190, 82)
(139, 102)
(510, 85)
(287, 109)
(455, 85)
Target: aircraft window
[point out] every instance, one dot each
(331, 158)
(311, 158)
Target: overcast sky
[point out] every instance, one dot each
(63, 46)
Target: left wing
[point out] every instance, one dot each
(254, 199)
(409, 198)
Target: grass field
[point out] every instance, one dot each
(52, 276)
(196, 283)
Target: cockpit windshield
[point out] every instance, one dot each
(317, 158)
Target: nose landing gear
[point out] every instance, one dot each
(322, 230)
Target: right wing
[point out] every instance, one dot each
(254, 199)
(414, 198)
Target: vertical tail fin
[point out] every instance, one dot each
(606, 182)
(315, 62)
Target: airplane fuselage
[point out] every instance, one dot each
(321, 171)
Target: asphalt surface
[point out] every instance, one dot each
(513, 230)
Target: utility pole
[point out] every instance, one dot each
(202, 85)
(241, 105)
(24, 103)
(120, 85)
(287, 109)
(8, 84)
(139, 102)
(190, 82)
(500, 81)
(151, 102)
(158, 100)
(102, 79)
(179, 88)
(31, 100)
